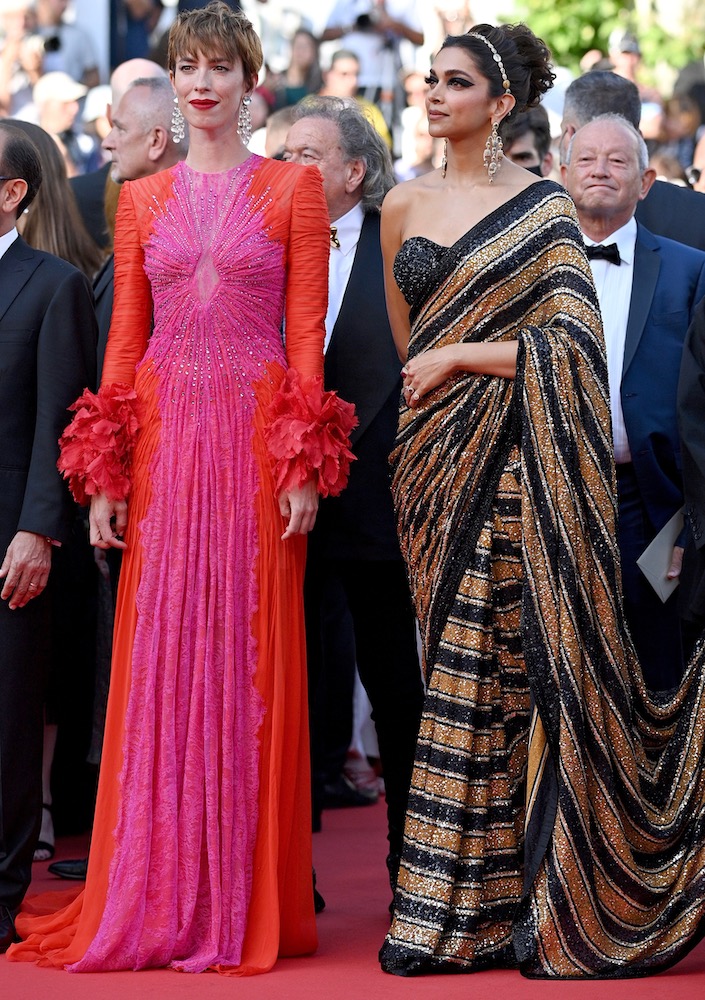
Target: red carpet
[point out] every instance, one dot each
(349, 857)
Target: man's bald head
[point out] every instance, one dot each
(129, 71)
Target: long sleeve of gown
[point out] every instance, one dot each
(97, 445)
(309, 431)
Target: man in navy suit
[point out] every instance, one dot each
(354, 543)
(47, 356)
(648, 288)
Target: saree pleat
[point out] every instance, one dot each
(557, 812)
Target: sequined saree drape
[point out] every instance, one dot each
(557, 814)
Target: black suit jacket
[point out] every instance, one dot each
(89, 190)
(104, 290)
(47, 357)
(674, 212)
(362, 365)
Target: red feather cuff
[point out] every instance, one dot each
(308, 435)
(96, 447)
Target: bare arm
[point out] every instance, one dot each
(393, 214)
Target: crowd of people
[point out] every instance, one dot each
(343, 369)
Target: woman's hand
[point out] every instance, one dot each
(108, 520)
(426, 372)
(299, 508)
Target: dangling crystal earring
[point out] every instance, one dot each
(494, 152)
(244, 122)
(178, 122)
(444, 159)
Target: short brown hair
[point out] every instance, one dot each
(216, 30)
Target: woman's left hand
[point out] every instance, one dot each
(299, 508)
(427, 371)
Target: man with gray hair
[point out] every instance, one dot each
(648, 288)
(668, 209)
(354, 544)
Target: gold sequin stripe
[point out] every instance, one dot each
(461, 870)
(621, 888)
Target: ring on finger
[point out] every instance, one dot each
(32, 586)
(416, 396)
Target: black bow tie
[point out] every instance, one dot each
(609, 253)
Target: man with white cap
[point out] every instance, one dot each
(56, 96)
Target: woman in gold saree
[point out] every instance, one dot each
(556, 816)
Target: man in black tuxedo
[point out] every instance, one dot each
(668, 209)
(354, 541)
(47, 356)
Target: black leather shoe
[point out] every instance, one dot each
(341, 793)
(8, 935)
(75, 870)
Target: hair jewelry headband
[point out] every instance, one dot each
(497, 58)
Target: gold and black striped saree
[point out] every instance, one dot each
(556, 816)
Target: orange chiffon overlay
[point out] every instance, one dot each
(201, 847)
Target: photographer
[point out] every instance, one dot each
(67, 48)
(374, 30)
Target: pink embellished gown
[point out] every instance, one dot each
(201, 848)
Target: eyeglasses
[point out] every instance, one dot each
(8, 178)
(693, 174)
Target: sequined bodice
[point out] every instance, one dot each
(415, 262)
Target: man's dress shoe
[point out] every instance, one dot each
(75, 869)
(8, 934)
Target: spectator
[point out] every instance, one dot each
(56, 98)
(647, 303)
(527, 140)
(50, 302)
(667, 210)
(67, 46)
(303, 74)
(374, 31)
(341, 80)
(20, 60)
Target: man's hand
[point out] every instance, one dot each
(674, 570)
(25, 568)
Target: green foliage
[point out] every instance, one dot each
(572, 27)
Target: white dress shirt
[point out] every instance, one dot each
(340, 262)
(614, 292)
(7, 240)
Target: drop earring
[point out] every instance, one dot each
(244, 122)
(494, 152)
(444, 159)
(178, 122)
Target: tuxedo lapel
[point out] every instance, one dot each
(361, 361)
(16, 267)
(647, 264)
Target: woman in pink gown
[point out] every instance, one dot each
(222, 436)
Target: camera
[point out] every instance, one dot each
(367, 22)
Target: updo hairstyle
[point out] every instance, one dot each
(526, 59)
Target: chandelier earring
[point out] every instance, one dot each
(178, 122)
(244, 122)
(444, 158)
(494, 151)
